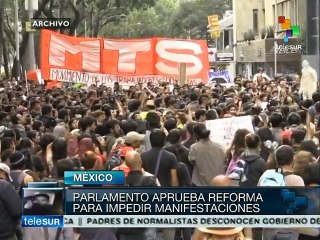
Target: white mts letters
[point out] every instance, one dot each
(90, 53)
(127, 53)
(163, 50)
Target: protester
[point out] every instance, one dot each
(10, 210)
(206, 156)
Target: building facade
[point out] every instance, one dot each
(257, 26)
(312, 53)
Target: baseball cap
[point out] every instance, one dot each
(4, 167)
(131, 137)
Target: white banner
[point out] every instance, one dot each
(165, 221)
(223, 130)
(65, 75)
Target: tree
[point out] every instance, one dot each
(147, 21)
(168, 18)
(191, 17)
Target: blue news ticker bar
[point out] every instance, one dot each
(94, 177)
(192, 201)
(42, 221)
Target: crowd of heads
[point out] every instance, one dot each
(47, 132)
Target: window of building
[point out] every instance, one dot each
(255, 21)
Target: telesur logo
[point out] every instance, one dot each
(291, 31)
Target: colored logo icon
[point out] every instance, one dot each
(291, 30)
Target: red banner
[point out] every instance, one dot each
(104, 61)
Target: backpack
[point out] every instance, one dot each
(18, 181)
(273, 178)
(114, 159)
(239, 171)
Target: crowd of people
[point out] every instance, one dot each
(157, 135)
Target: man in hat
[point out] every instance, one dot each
(5, 172)
(19, 178)
(10, 212)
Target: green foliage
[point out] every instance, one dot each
(168, 18)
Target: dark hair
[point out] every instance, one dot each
(88, 160)
(87, 122)
(212, 114)
(37, 164)
(14, 119)
(32, 134)
(46, 109)
(238, 141)
(157, 138)
(284, 155)
(110, 125)
(63, 114)
(316, 97)
(134, 105)
(293, 119)
(174, 136)
(182, 117)
(252, 141)
(312, 174)
(190, 127)
(45, 140)
(59, 149)
(10, 133)
(169, 101)
(193, 96)
(64, 165)
(201, 131)
(50, 123)
(307, 103)
(265, 134)
(5, 155)
(33, 103)
(129, 126)
(309, 146)
(317, 106)
(21, 164)
(153, 120)
(37, 125)
(276, 119)
(202, 96)
(298, 135)
(24, 143)
(199, 113)
(6, 143)
(170, 124)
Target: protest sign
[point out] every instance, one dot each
(223, 130)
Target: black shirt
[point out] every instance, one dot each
(168, 162)
(189, 142)
(137, 179)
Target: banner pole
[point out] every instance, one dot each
(26, 79)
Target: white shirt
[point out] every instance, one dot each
(255, 77)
